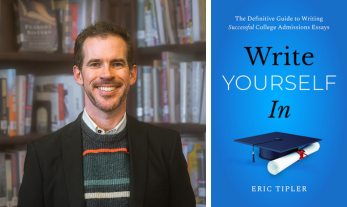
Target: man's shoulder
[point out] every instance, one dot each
(51, 141)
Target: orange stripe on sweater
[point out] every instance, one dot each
(105, 150)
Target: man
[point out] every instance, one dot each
(106, 157)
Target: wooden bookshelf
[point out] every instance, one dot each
(5, 140)
(41, 57)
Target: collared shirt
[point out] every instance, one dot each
(91, 124)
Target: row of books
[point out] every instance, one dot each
(195, 154)
(39, 104)
(171, 91)
(162, 22)
(11, 175)
(49, 26)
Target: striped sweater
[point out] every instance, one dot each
(106, 168)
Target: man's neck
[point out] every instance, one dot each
(106, 120)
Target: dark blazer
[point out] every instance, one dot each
(53, 171)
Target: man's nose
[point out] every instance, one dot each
(107, 71)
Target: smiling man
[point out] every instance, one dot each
(106, 157)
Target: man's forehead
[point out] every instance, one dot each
(104, 45)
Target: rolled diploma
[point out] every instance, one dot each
(279, 164)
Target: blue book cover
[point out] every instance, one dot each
(278, 97)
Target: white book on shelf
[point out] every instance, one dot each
(160, 20)
(21, 81)
(196, 20)
(186, 92)
(203, 101)
(197, 76)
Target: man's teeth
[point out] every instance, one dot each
(107, 88)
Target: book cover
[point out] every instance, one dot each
(36, 26)
(141, 23)
(278, 98)
(10, 75)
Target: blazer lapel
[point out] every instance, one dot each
(137, 137)
(73, 163)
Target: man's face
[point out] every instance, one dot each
(105, 74)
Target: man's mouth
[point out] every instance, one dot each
(107, 89)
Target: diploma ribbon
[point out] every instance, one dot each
(301, 153)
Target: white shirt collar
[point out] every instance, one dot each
(91, 124)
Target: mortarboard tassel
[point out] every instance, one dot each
(253, 154)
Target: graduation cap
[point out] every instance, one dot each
(276, 144)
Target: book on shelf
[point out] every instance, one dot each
(10, 76)
(186, 92)
(11, 174)
(41, 119)
(139, 106)
(156, 91)
(195, 154)
(3, 107)
(163, 22)
(36, 26)
(183, 90)
(141, 42)
(21, 81)
(29, 102)
(197, 80)
(147, 94)
(65, 97)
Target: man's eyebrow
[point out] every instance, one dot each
(119, 60)
(93, 60)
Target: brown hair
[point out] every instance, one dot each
(102, 29)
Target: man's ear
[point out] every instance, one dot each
(78, 75)
(133, 75)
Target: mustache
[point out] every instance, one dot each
(110, 82)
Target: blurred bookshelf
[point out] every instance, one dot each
(180, 45)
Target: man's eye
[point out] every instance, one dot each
(94, 64)
(118, 64)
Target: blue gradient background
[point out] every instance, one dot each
(238, 114)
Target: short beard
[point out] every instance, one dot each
(100, 106)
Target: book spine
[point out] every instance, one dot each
(181, 19)
(156, 95)
(189, 23)
(4, 110)
(183, 88)
(189, 93)
(29, 102)
(139, 108)
(74, 23)
(148, 27)
(2, 180)
(160, 20)
(196, 85)
(21, 158)
(21, 95)
(8, 169)
(203, 100)
(11, 100)
(164, 86)
(196, 21)
(171, 89)
(61, 117)
(147, 94)
(155, 25)
(141, 23)
(15, 180)
(168, 22)
(95, 11)
(67, 36)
